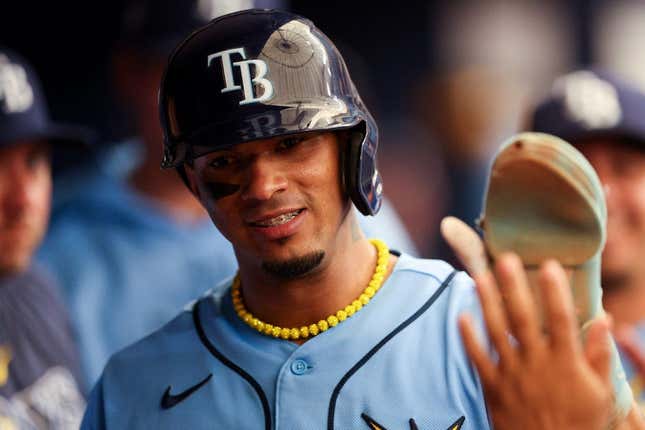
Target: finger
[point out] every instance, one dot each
(559, 311)
(598, 348)
(466, 244)
(495, 317)
(518, 301)
(628, 341)
(478, 355)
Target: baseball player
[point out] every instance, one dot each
(39, 364)
(320, 328)
(104, 244)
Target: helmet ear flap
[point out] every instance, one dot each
(351, 156)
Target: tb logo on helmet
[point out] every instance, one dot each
(248, 81)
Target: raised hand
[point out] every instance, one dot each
(542, 378)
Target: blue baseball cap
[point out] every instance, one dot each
(589, 104)
(23, 108)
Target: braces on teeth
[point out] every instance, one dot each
(281, 219)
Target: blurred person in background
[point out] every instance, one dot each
(604, 117)
(425, 172)
(39, 364)
(131, 245)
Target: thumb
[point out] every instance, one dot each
(466, 244)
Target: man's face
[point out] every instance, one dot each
(279, 201)
(25, 193)
(621, 169)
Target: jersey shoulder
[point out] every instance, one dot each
(448, 292)
(431, 273)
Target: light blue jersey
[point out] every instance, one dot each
(125, 267)
(396, 364)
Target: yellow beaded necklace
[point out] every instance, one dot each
(304, 332)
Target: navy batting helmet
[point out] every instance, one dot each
(258, 74)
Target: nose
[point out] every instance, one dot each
(264, 178)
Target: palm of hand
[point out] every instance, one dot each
(543, 377)
(550, 389)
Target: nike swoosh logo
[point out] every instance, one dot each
(170, 400)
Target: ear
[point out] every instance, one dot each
(342, 137)
(350, 165)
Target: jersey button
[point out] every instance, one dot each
(299, 367)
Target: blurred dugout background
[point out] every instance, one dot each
(446, 81)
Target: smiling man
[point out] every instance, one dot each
(276, 221)
(320, 327)
(128, 230)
